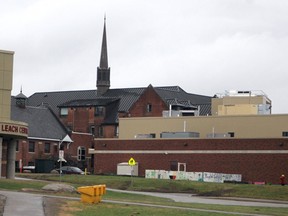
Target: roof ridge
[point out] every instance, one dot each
(169, 88)
(46, 92)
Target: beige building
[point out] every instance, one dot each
(241, 103)
(239, 114)
(244, 126)
(10, 131)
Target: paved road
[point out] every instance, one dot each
(188, 198)
(23, 204)
(26, 204)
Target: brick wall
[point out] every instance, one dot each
(139, 108)
(233, 156)
(83, 140)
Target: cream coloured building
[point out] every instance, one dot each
(10, 131)
(241, 103)
(236, 114)
(244, 126)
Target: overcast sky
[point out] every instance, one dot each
(203, 46)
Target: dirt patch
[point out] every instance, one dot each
(125, 185)
(52, 206)
(68, 207)
(58, 206)
(216, 193)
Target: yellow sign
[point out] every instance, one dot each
(132, 162)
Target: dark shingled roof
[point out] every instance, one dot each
(175, 92)
(89, 102)
(127, 96)
(111, 104)
(53, 99)
(177, 96)
(42, 122)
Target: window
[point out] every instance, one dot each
(99, 111)
(149, 108)
(92, 130)
(116, 131)
(47, 148)
(64, 111)
(285, 133)
(100, 132)
(232, 134)
(174, 165)
(31, 146)
(17, 145)
(81, 153)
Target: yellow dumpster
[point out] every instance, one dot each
(92, 194)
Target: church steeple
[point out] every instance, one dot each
(103, 71)
(104, 54)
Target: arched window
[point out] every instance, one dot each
(81, 153)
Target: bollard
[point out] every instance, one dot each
(92, 194)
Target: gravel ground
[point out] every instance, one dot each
(2, 204)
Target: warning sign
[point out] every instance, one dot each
(132, 162)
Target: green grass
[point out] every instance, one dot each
(272, 192)
(275, 192)
(103, 208)
(107, 209)
(11, 184)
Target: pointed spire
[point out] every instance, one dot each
(104, 54)
(103, 71)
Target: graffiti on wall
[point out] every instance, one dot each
(193, 176)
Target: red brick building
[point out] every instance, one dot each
(95, 113)
(257, 160)
(90, 118)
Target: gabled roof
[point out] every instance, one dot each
(42, 122)
(111, 104)
(175, 92)
(127, 96)
(175, 95)
(53, 99)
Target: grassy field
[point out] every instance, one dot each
(272, 192)
(76, 208)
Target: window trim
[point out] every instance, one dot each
(81, 153)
